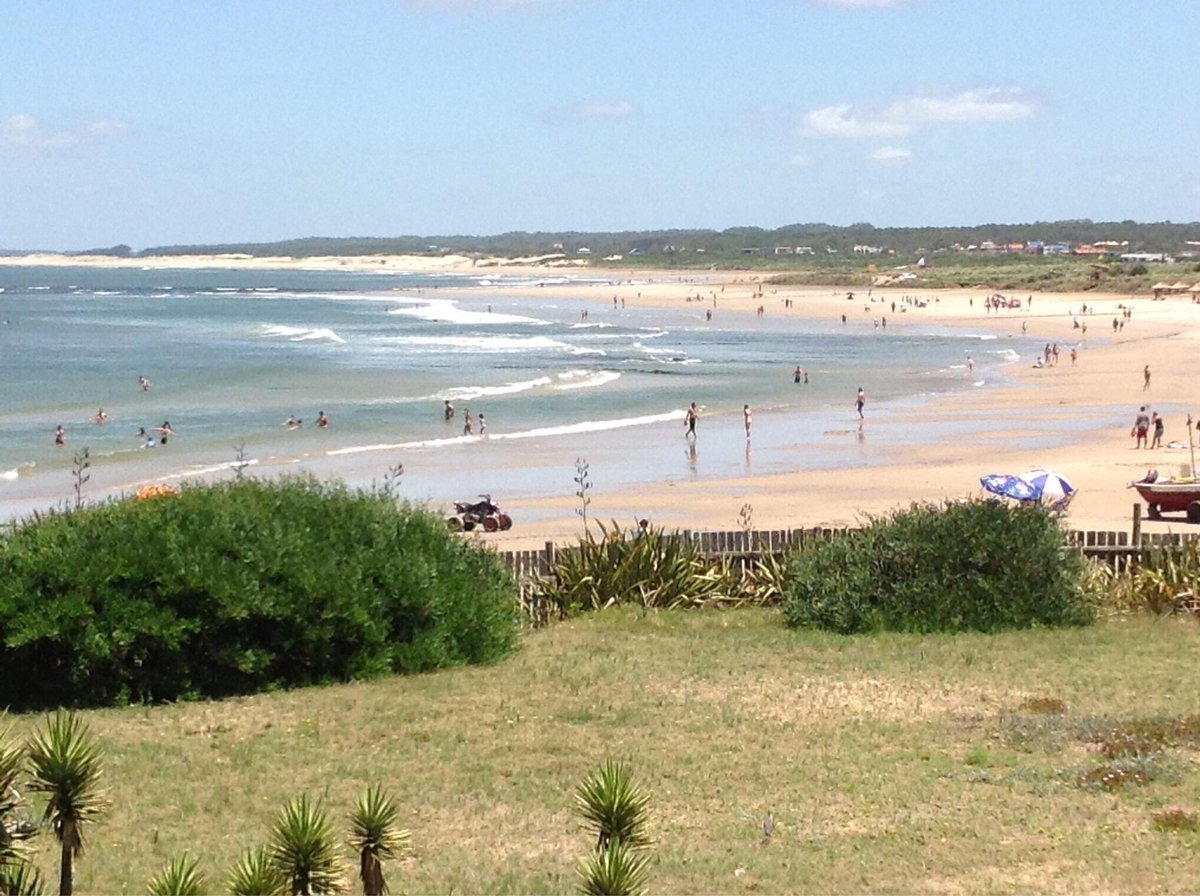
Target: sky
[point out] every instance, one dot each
(161, 123)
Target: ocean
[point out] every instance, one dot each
(231, 355)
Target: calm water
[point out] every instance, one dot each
(231, 355)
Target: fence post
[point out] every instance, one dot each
(1137, 524)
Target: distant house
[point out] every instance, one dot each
(784, 250)
(1089, 250)
(752, 250)
(1146, 258)
(1056, 249)
(583, 250)
(867, 250)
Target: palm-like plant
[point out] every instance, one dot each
(20, 879)
(614, 806)
(615, 870)
(67, 768)
(255, 874)
(375, 837)
(179, 878)
(13, 831)
(304, 850)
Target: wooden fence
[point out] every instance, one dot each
(744, 549)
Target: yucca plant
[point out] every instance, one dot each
(14, 831)
(255, 874)
(613, 806)
(180, 877)
(615, 870)
(304, 850)
(645, 566)
(67, 768)
(375, 837)
(20, 879)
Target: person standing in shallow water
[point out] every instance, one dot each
(747, 419)
(859, 400)
(689, 420)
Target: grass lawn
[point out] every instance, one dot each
(890, 763)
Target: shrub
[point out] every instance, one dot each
(972, 566)
(647, 567)
(236, 588)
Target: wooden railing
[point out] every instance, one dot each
(744, 549)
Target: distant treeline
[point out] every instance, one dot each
(698, 247)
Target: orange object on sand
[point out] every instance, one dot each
(154, 491)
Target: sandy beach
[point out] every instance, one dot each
(1072, 417)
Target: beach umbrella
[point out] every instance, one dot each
(1008, 486)
(1049, 488)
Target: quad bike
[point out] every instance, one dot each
(483, 513)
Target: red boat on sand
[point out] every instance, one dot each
(1169, 496)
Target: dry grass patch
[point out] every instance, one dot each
(893, 763)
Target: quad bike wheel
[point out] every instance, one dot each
(505, 522)
(455, 524)
(490, 524)
(468, 525)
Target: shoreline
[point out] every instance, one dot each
(1072, 418)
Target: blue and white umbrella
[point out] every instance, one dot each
(1041, 486)
(1008, 486)
(1049, 488)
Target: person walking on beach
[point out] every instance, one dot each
(859, 401)
(1141, 426)
(747, 419)
(1158, 426)
(689, 420)
(468, 423)
(482, 425)
(1145, 377)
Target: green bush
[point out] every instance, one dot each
(237, 588)
(646, 567)
(975, 566)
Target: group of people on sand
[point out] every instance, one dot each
(1147, 430)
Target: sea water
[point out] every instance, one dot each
(230, 355)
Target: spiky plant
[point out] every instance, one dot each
(180, 877)
(255, 874)
(375, 837)
(616, 870)
(20, 879)
(613, 806)
(14, 831)
(304, 850)
(67, 768)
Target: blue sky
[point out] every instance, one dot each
(153, 123)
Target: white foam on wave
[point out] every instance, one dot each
(18, 471)
(466, 393)
(585, 379)
(448, 311)
(541, 432)
(301, 334)
(483, 343)
(1007, 355)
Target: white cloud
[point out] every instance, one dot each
(907, 115)
(891, 155)
(840, 121)
(587, 109)
(24, 131)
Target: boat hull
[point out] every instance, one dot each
(1171, 497)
